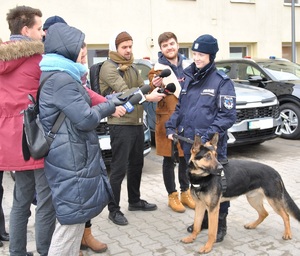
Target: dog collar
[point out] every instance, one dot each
(223, 181)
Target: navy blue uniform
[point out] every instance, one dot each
(206, 106)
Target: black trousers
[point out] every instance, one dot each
(127, 145)
(169, 174)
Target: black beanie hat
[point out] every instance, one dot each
(206, 44)
(52, 20)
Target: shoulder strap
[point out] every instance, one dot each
(117, 66)
(57, 124)
(61, 116)
(40, 88)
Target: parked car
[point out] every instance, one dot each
(279, 76)
(104, 139)
(257, 112)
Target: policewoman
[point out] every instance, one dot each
(206, 105)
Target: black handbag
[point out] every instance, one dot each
(35, 143)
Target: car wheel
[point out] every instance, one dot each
(290, 116)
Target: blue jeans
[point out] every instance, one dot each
(26, 183)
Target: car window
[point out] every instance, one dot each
(252, 71)
(228, 68)
(283, 70)
(246, 72)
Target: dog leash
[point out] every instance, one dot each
(187, 140)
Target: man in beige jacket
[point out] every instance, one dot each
(126, 133)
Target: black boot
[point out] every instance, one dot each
(222, 227)
(203, 226)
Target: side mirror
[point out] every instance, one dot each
(255, 79)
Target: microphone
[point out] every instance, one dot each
(169, 89)
(142, 90)
(132, 101)
(166, 72)
(145, 88)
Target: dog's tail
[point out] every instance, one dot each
(292, 208)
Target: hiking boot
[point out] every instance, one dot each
(187, 200)
(175, 203)
(222, 227)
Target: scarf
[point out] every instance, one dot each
(123, 63)
(56, 62)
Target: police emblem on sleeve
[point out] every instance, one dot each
(228, 102)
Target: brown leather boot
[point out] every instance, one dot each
(175, 203)
(187, 200)
(89, 241)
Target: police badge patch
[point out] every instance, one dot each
(228, 102)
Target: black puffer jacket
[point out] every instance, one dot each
(74, 167)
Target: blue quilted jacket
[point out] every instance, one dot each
(74, 167)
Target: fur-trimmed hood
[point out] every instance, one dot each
(13, 50)
(19, 76)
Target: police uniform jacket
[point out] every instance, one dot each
(206, 106)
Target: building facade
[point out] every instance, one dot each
(256, 28)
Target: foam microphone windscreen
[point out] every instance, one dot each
(169, 89)
(166, 72)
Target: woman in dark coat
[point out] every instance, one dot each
(74, 168)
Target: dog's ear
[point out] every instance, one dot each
(214, 140)
(197, 144)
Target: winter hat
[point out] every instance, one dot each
(52, 20)
(206, 44)
(122, 37)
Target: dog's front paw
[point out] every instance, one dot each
(287, 236)
(205, 249)
(250, 226)
(188, 239)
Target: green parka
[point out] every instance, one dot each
(130, 78)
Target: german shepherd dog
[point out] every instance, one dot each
(255, 180)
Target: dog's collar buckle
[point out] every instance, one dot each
(196, 185)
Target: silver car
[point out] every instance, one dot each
(258, 114)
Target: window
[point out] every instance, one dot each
(290, 1)
(96, 55)
(238, 52)
(184, 52)
(243, 1)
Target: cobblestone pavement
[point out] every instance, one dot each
(159, 232)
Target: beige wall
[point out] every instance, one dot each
(265, 25)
